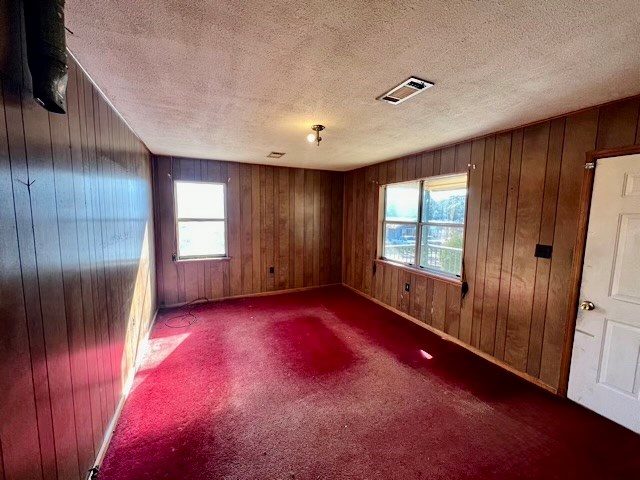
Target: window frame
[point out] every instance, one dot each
(419, 224)
(177, 220)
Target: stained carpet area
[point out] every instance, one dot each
(325, 384)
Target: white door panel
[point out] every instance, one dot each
(625, 284)
(605, 366)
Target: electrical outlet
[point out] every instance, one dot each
(407, 287)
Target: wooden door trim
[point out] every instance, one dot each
(578, 255)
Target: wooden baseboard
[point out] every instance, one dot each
(108, 434)
(248, 295)
(450, 338)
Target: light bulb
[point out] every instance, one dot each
(311, 138)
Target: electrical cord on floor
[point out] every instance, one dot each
(188, 315)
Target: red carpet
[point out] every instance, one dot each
(327, 385)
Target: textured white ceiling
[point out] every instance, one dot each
(234, 80)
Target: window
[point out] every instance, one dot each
(423, 223)
(201, 225)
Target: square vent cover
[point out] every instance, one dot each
(276, 155)
(407, 89)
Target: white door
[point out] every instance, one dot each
(605, 366)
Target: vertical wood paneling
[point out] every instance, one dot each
(448, 160)
(618, 124)
(439, 305)
(164, 206)
(437, 162)
(29, 270)
(234, 236)
(579, 137)
(429, 302)
(290, 219)
(275, 231)
(395, 283)
(369, 218)
(360, 193)
(508, 243)
(524, 189)
(18, 411)
(545, 237)
(246, 244)
(482, 240)
(85, 356)
(532, 174)
(426, 164)
(308, 227)
(284, 227)
(349, 248)
(255, 233)
(500, 181)
(316, 228)
(70, 265)
(336, 220)
(106, 292)
(292, 229)
(418, 304)
(298, 208)
(452, 313)
(472, 230)
(76, 281)
(463, 157)
(93, 322)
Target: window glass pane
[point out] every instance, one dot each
(402, 202)
(441, 248)
(200, 200)
(199, 239)
(400, 242)
(444, 205)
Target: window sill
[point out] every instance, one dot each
(421, 271)
(203, 259)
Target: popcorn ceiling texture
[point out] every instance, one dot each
(236, 80)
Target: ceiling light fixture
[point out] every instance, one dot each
(315, 137)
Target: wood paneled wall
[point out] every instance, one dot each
(77, 286)
(524, 189)
(287, 218)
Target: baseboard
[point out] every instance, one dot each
(249, 295)
(450, 338)
(108, 434)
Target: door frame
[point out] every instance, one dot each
(592, 158)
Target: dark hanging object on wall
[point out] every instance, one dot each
(46, 51)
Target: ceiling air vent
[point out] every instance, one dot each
(407, 89)
(275, 155)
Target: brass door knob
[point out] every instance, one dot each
(587, 305)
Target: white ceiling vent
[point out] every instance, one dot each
(407, 89)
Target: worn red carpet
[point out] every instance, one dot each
(327, 385)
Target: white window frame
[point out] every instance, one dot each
(177, 219)
(419, 224)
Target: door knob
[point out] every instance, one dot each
(587, 305)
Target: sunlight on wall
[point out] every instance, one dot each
(140, 316)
